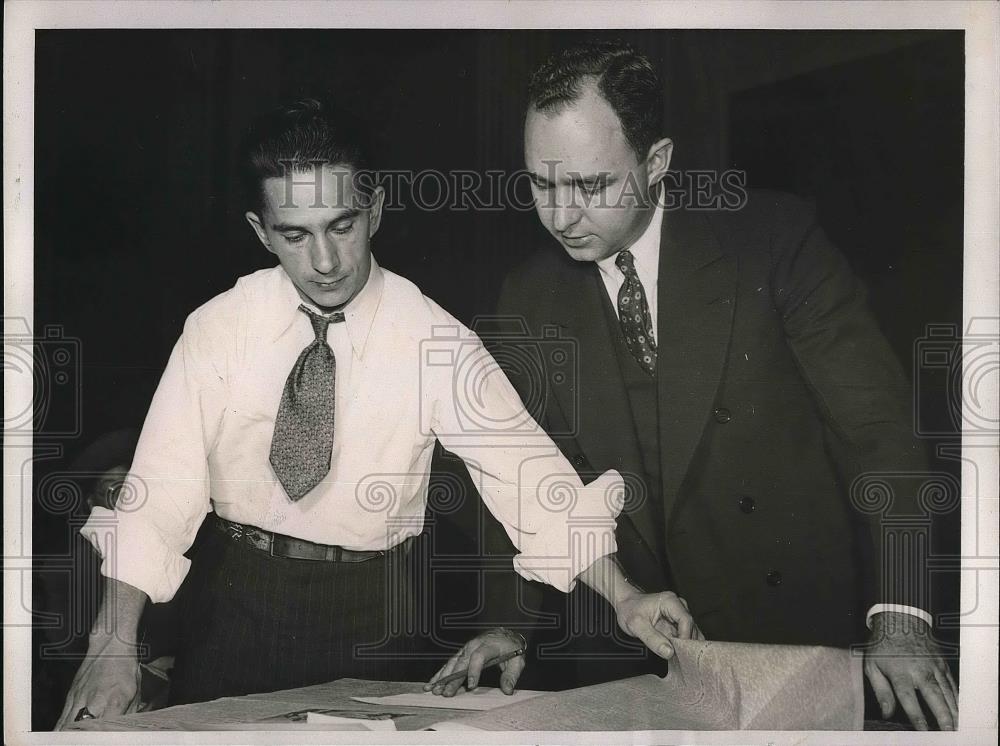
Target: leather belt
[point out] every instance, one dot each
(279, 545)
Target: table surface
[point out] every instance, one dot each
(268, 711)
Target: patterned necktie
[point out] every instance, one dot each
(633, 313)
(302, 444)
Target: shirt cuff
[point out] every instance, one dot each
(134, 553)
(899, 608)
(561, 570)
(569, 544)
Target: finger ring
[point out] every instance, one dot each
(84, 714)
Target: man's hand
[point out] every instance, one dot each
(107, 683)
(652, 617)
(655, 618)
(901, 660)
(108, 680)
(474, 655)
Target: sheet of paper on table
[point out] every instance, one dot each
(218, 714)
(709, 686)
(285, 710)
(482, 699)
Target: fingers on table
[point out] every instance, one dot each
(455, 663)
(511, 672)
(97, 705)
(933, 687)
(907, 697)
(950, 696)
(429, 684)
(882, 688)
(476, 662)
(936, 699)
(461, 662)
(951, 681)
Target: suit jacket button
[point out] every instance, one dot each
(774, 578)
(722, 415)
(747, 504)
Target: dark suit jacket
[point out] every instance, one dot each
(776, 389)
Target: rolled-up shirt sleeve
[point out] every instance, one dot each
(165, 497)
(559, 525)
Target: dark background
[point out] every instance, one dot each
(139, 221)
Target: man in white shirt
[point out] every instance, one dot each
(299, 411)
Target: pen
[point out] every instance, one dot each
(491, 662)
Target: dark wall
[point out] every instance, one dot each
(138, 220)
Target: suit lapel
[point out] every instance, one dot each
(696, 294)
(606, 433)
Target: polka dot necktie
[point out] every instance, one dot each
(302, 444)
(633, 313)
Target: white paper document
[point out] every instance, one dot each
(482, 698)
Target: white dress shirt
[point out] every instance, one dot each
(646, 251)
(407, 373)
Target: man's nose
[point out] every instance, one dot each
(565, 213)
(324, 255)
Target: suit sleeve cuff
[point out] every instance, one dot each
(899, 608)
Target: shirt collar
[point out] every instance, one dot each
(359, 314)
(646, 250)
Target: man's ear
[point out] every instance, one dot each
(658, 160)
(375, 201)
(258, 228)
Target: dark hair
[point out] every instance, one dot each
(625, 78)
(300, 135)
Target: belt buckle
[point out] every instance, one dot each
(271, 542)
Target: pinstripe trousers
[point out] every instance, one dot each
(251, 622)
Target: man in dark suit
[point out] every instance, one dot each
(728, 363)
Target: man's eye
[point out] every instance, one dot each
(295, 237)
(341, 230)
(592, 189)
(541, 185)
